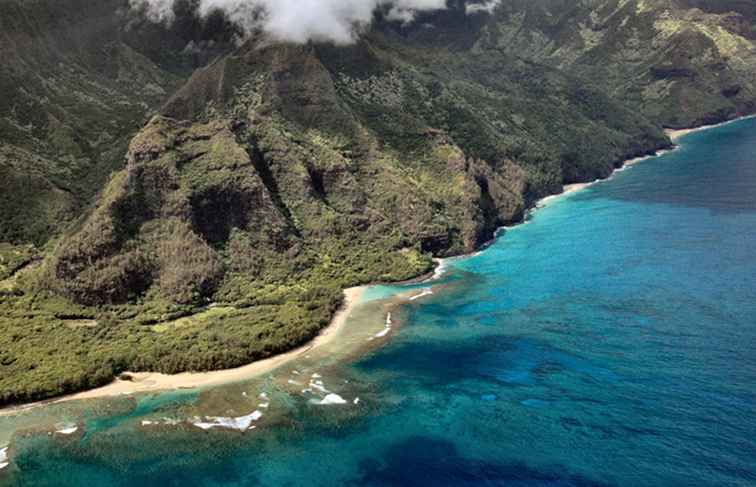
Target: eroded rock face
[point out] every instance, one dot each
(184, 190)
(79, 79)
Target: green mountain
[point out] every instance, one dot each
(261, 178)
(682, 63)
(78, 79)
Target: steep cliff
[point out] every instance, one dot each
(78, 80)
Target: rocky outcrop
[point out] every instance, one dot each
(183, 192)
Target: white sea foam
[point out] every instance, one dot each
(69, 430)
(439, 270)
(318, 386)
(316, 376)
(264, 405)
(425, 292)
(263, 395)
(295, 372)
(383, 332)
(293, 382)
(3, 457)
(545, 201)
(386, 330)
(356, 400)
(165, 421)
(329, 399)
(240, 423)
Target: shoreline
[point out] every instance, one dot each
(571, 188)
(146, 382)
(676, 134)
(143, 382)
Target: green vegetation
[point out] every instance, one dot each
(78, 81)
(679, 62)
(280, 174)
(50, 345)
(14, 258)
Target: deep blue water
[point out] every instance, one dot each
(610, 341)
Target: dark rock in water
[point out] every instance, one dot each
(431, 461)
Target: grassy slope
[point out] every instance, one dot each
(276, 176)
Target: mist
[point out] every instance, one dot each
(300, 21)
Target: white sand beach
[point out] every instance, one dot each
(151, 382)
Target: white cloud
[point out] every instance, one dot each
(396, 14)
(158, 10)
(488, 6)
(338, 21)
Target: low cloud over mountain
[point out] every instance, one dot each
(299, 21)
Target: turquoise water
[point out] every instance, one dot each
(611, 341)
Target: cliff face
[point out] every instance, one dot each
(275, 175)
(681, 62)
(78, 80)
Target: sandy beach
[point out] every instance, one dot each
(152, 382)
(676, 134)
(575, 187)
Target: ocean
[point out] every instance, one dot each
(608, 341)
